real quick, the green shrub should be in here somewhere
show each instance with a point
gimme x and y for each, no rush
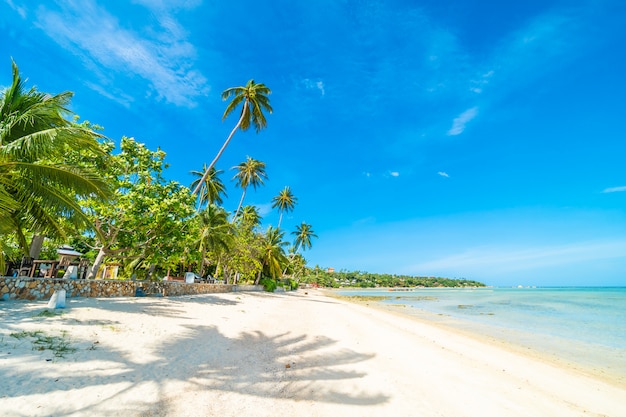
(269, 285)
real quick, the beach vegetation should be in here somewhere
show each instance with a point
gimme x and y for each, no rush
(59, 345)
(64, 182)
(255, 101)
(250, 172)
(212, 189)
(144, 222)
(285, 202)
(269, 284)
(40, 189)
(359, 279)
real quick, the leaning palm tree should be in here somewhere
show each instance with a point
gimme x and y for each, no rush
(212, 190)
(255, 101)
(39, 188)
(250, 172)
(285, 202)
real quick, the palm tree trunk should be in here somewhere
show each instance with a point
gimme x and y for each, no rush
(232, 133)
(280, 219)
(240, 204)
(293, 255)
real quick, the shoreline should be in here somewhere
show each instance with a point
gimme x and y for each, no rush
(556, 355)
(261, 354)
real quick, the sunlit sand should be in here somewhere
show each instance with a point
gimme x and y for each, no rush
(261, 354)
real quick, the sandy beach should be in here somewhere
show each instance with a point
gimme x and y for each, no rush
(261, 354)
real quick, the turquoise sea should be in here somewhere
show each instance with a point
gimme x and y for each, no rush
(584, 327)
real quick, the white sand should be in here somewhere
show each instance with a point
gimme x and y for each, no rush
(259, 354)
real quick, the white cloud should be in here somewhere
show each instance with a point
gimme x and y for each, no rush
(264, 209)
(458, 125)
(314, 85)
(443, 174)
(615, 189)
(394, 173)
(162, 56)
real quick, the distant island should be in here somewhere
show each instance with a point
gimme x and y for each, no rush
(358, 279)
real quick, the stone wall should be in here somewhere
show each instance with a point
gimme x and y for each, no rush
(22, 288)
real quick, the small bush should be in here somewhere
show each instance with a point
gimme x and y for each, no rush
(269, 285)
(290, 284)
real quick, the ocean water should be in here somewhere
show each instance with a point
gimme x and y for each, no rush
(581, 326)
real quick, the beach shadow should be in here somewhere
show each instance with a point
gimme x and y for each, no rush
(287, 365)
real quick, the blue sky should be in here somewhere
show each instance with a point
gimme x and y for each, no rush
(456, 139)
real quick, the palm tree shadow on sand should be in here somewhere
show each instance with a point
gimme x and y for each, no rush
(286, 366)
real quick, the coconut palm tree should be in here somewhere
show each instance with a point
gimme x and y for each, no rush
(216, 232)
(255, 101)
(251, 172)
(249, 217)
(212, 190)
(303, 234)
(273, 254)
(285, 202)
(39, 190)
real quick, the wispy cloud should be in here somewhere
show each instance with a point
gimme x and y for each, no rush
(314, 85)
(459, 123)
(162, 56)
(19, 9)
(615, 189)
(443, 174)
(394, 173)
(507, 260)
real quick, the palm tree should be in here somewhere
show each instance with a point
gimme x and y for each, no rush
(251, 172)
(255, 101)
(212, 190)
(273, 254)
(249, 217)
(285, 202)
(38, 188)
(216, 232)
(303, 234)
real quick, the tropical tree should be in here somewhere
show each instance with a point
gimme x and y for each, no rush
(249, 217)
(147, 218)
(215, 233)
(212, 189)
(251, 172)
(304, 233)
(39, 190)
(285, 202)
(272, 254)
(255, 101)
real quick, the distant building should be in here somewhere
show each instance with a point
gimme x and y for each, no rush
(330, 270)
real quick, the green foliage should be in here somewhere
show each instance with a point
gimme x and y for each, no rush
(59, 345)
(290, 284)
(40, 187)
(359, 279)
(146, 221)
(269, 285)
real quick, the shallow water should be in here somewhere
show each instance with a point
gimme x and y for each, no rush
(583, 326)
